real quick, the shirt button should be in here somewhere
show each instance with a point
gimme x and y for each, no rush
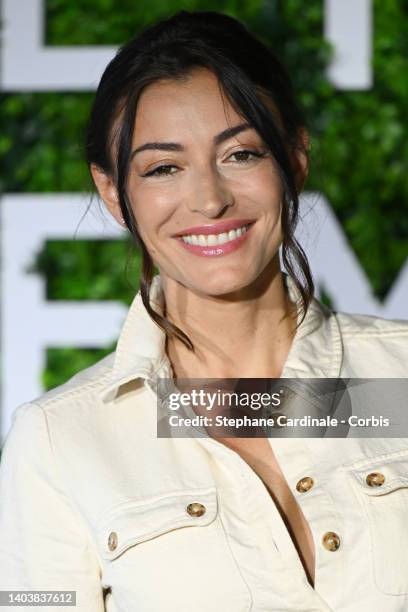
(196, 509)
(113, 540)
(331, 541)
(375, 479)
(305, 484)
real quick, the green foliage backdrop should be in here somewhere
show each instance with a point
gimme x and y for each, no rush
(359, 144)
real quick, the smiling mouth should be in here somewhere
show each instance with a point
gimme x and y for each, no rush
(213, 240)
(215, 245)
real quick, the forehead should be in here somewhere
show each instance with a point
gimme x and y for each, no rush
(194, 104)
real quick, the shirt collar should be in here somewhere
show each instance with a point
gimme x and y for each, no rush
(316, 350)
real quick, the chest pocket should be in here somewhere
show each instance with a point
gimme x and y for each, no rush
(382, 486)
(171, 553)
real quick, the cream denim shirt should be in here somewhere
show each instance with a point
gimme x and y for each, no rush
(93, 502)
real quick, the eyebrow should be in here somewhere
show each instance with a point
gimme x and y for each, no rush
(175, 146)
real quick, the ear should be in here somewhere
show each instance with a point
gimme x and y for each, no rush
(300, 158)
(107, 191)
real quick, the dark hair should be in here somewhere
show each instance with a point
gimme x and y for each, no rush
(249, 75)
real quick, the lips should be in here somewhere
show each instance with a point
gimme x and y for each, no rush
(203, 244)
(214, 228)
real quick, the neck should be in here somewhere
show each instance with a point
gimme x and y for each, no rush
(246, 336)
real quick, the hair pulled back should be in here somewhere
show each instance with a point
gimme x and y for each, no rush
(249, 75)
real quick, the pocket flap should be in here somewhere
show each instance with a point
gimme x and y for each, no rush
(381, 475)
(135, 521)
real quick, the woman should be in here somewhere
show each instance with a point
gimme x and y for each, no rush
(197, 147)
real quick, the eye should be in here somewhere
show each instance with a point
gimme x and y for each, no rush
(165, 170)
(245, 155)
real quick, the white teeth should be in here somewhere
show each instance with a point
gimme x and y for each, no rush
(215, 239)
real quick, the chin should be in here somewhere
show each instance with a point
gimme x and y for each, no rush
(222, 284)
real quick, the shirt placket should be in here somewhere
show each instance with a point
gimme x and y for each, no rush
(310, 482)
(259, 539)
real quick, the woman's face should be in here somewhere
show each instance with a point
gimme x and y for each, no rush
(204, 190)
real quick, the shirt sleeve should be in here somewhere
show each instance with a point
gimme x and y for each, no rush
(44, 544)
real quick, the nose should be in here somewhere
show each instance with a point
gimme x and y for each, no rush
(210, 194)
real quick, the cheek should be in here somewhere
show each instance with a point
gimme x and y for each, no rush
(152, 209)
(271, 183)
(265, 191)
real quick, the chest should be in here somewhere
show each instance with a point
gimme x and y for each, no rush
(238, 556)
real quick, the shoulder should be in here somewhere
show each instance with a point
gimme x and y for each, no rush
(74, 439)
(70, 399)
(374, 346)
(60, 427)
(85, 384)
(358, 325)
